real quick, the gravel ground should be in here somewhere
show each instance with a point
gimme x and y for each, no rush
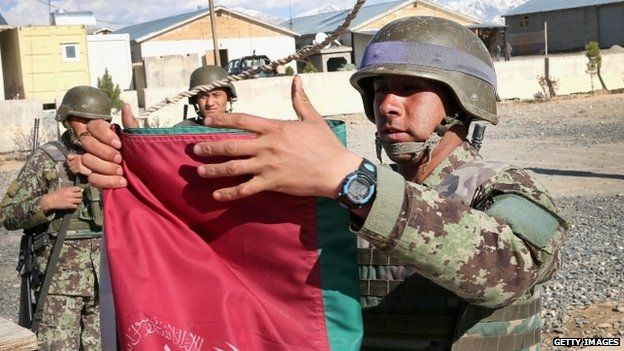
(593, 254)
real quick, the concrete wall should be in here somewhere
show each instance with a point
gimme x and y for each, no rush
(330, 93)
(519, 78)
(170, 71)
(273, 47)
(112, 52)
(16, 119)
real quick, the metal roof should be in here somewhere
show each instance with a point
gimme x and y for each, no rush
(146, 30)
(327, 22)
(535, 6)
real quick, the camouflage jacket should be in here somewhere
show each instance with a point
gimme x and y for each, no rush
(39, 176)
(488, 259)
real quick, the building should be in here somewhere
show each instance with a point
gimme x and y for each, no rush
(3, 26)
(564, 25)
(110, 52)
(365, 25)
(43, 62)
(190, 34)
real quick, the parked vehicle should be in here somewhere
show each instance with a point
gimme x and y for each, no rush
(244, 63)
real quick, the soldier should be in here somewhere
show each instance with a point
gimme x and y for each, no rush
(51, 200)
(204, 104)
(461, 245)
(213, 101)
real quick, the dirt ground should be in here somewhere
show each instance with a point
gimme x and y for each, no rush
(573, 145)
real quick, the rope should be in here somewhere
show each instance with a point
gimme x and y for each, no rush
(250, 73)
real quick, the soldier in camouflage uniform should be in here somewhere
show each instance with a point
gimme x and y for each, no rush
(48, 187)
(460, 245)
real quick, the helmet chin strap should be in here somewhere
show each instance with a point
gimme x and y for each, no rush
(416, 149)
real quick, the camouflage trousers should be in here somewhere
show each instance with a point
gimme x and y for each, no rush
(71, 315)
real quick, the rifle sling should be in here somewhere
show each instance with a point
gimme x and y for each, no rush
(50, 271)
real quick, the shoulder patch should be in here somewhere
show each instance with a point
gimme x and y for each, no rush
(526, 218)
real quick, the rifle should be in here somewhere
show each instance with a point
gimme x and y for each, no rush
(27, 265)
(35, 135)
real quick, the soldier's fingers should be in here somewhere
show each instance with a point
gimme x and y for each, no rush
(99, 165)
(100, 130)
(72, 157)
(107, 182)
(227, 169)
(251, 187)
(127, 117)
(302, 105)
(241, 121)
(233, 147)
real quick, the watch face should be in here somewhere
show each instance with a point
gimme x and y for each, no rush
(358, 191)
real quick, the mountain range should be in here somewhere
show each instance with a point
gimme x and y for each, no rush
(487, 11)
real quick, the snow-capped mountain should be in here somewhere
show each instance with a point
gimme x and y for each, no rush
(259, 15)
(488, 11)
(323, 9)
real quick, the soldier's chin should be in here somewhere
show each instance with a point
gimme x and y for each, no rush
(405, 159)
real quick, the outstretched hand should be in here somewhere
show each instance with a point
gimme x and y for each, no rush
(301, 158)
(102, 147)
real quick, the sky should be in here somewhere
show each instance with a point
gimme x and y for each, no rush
(119, 13)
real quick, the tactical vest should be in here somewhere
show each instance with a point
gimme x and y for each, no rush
(405, 311)
(86, 221)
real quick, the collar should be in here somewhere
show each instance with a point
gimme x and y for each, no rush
(462, 154)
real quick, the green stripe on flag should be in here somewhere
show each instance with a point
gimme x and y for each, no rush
(339, 269)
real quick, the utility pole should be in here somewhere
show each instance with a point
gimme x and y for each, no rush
(546, 38)
(50, 12)
(215, 41)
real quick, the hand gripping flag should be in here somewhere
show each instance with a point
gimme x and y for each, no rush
(268, 272)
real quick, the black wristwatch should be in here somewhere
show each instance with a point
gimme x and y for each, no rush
(358, 189)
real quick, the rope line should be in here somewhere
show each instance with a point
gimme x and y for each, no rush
(250, 73)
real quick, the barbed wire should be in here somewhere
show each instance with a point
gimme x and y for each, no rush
(250, 73)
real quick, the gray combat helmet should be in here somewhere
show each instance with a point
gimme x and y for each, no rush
(432, 48)
(86, 102)
(207, 75)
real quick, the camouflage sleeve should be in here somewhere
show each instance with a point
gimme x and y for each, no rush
(476, 255)
(20, 206)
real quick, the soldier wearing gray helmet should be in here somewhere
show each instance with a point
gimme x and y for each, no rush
(52, 201)
(459, 245)
(210, 102)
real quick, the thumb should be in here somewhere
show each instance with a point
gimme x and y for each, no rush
(127, 118)
(302, 105)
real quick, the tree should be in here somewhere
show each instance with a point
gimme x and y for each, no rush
(310, 68)
(592, 51)
(105, 84)
(290, 71)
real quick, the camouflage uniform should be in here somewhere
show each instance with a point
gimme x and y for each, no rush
(455, 257)
(71, 315)
(457, 260)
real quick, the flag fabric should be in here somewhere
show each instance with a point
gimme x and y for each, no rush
(268, 272)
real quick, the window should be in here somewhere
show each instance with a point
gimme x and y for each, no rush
(524, 22)
(70, 52)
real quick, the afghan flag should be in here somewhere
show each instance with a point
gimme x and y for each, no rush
(268, 272)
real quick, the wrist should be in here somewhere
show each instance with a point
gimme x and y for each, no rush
(340, 170)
